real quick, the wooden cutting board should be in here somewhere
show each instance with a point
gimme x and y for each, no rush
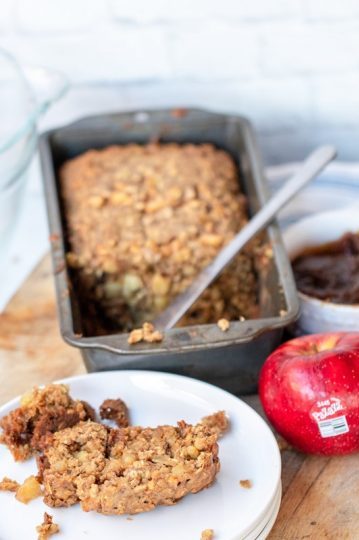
(320, 495)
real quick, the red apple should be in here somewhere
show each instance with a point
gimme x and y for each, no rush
(309, 389)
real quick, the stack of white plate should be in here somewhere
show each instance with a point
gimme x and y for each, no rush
(265, 524)
(247, 452)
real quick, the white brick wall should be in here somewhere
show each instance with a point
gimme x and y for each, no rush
(303, 48)
(62, 17)
(291, 66)
(214, 51)
(331, 9)
(131, 54)
(141, 11)
(337, 96)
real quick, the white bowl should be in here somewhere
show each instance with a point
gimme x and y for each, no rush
(318, 315)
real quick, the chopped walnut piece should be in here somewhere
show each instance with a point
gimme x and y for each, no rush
(150, 334)
(207, 534)
(218, 423)
(213, 240)
(47, 528)
(135, 336)
(223, 324)
(118, 198)
(147, 333)
(96, 201)
(246, 484)
(115, 409)
(29, 490)
(7, 484)
(154, 337)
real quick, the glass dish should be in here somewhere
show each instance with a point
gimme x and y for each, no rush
(25, 94)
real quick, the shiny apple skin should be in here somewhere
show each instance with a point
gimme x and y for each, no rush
(302, 372)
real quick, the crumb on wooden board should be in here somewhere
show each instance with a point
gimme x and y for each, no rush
(283, 445)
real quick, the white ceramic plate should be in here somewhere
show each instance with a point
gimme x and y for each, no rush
(264, 527)
(248, 451)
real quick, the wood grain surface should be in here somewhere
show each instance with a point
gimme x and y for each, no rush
(320, 495)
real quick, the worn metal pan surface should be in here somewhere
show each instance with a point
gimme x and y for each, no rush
(231, 360)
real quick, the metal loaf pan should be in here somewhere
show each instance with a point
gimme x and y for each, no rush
(231, 360)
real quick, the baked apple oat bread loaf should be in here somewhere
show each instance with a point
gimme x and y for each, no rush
(127, 470)
(142, 221)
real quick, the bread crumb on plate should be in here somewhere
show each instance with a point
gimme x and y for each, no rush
(246, 484)
(207, 534)
(47, 528)
(116, 410)
(7, 484)
(30, 489)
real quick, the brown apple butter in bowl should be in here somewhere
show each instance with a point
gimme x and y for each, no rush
(330, 271)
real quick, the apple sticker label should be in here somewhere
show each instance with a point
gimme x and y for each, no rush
(323, 410)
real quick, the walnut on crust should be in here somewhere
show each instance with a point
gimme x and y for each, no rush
(128, 470)
(42, 412)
